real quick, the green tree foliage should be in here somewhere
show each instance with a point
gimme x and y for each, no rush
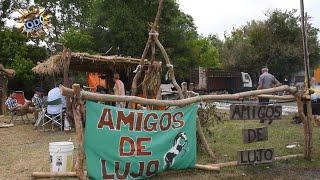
(275, 42)
(78, 41)
(123, 25)
(204, 52)
(67, 15)
(15, 54)
(95, 26)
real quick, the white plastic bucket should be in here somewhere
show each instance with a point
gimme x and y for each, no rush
(61, 156)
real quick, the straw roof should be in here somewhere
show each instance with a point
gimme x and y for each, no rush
(85, 62)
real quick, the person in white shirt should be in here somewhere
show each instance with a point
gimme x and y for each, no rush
(55, 94)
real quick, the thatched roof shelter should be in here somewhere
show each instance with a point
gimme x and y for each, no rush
(66, 61)
(86, 63)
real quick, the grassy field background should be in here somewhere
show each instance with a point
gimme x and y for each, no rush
(24, 150)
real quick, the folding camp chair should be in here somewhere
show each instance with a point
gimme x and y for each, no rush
(19, 96)
(53, 119)
(16, 114)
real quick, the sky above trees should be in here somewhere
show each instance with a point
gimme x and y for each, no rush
(212, 16)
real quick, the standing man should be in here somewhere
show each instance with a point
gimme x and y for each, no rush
(118, 89)
(266, 80)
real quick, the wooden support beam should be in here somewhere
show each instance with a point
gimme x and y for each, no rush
(170, 66)
(275, 97)
(4, 96)
(307, 126)
(53, 174)
(157, 18)
(204, 141)
(207, 167)
(308, 131)
(76, 108)
(137, 76)
(182, 102)
(235, 163)
(66, 59)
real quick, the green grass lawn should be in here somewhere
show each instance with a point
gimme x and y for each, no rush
(227, 140)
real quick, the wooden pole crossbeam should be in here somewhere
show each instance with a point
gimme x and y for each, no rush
(53, 174)
(182, 102)
(275, 97)
(235, 163)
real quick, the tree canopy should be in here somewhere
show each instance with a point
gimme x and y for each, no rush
(96, 26)
(275, 42)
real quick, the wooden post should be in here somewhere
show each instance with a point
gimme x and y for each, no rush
(157, 18)
(139, 72)
(184, 89)
(153, 51)
(76, 108)
(170, 66)
(66, 58)
(305, 47)
(308, 131)
(306, 118)
(4, 95)
(152, 40)
(307, 126)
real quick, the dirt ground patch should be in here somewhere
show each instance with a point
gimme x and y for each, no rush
(24, 150)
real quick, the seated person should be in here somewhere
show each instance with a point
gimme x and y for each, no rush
(55, 94)
(37, 98)
(13, 105)
(38, 101)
